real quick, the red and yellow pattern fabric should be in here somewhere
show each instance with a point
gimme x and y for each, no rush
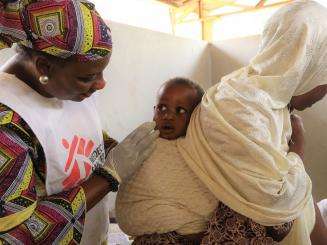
(62, 28)
(52, 219)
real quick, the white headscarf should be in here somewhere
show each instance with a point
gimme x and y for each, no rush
(292, 58)
(237, 140)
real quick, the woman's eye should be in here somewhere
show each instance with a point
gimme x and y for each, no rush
(87, 79)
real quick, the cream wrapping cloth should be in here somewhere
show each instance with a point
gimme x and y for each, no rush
(237, 140)
(163, 196)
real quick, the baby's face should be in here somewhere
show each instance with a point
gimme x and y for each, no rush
(174, 107)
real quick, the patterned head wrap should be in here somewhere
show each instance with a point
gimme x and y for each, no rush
(62, 28)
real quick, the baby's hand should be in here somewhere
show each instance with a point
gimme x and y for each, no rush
(297, 141)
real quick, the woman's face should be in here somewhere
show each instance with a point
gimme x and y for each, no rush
(75, 80)
(303, 101)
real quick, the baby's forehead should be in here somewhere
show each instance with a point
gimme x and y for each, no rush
(183, 91)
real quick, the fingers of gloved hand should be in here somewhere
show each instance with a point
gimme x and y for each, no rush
(147, 141)
(142, 131)
(145, 154)
(128, 171)
(125, 169)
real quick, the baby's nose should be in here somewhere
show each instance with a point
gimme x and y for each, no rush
(168, 114)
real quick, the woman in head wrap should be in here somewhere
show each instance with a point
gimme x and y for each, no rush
(53, 170)
(237, 140)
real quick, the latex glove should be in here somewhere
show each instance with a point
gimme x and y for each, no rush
(128, 156)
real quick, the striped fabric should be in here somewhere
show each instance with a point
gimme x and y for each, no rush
(57, 218)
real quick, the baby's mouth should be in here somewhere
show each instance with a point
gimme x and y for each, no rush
(167, 127)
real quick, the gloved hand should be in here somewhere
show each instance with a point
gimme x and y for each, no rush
(128, 156)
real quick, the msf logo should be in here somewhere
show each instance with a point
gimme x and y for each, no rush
(78, 163)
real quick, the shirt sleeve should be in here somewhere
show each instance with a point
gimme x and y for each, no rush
(25, 218)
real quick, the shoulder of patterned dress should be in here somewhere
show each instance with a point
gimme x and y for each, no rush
(12, 120)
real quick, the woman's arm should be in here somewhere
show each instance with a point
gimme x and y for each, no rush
(319, 233)
(97, 187)
(49, 218)
(56, 212)
(122, 160)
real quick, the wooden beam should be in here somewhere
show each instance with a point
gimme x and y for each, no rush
(206, 25)
(176, 3)
(169, 2)
(260, 4)
(182, 13)
(217, 3)
(207, 28)
(247, 10)
(186, 10)
(202, 18)
(223, 3)
(189, 2)
(172, 20)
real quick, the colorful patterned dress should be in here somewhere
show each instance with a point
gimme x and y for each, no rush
(57, 218)
(225, 227)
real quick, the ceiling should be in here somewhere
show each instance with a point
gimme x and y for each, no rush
(211, 4)
(207, 11)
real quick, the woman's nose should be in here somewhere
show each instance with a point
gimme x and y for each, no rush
(100, 84)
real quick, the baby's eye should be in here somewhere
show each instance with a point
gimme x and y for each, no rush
(181, 110)
(162, 108)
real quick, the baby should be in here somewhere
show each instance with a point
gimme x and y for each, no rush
(165, 195)
(176, 101)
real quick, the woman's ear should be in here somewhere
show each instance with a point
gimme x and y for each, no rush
(43, 65)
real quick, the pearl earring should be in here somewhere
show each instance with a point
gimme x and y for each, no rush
(44, 80)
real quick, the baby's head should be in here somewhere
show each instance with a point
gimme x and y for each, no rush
(176, 100)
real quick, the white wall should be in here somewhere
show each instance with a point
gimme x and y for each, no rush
(230, 55)
(315, 124)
